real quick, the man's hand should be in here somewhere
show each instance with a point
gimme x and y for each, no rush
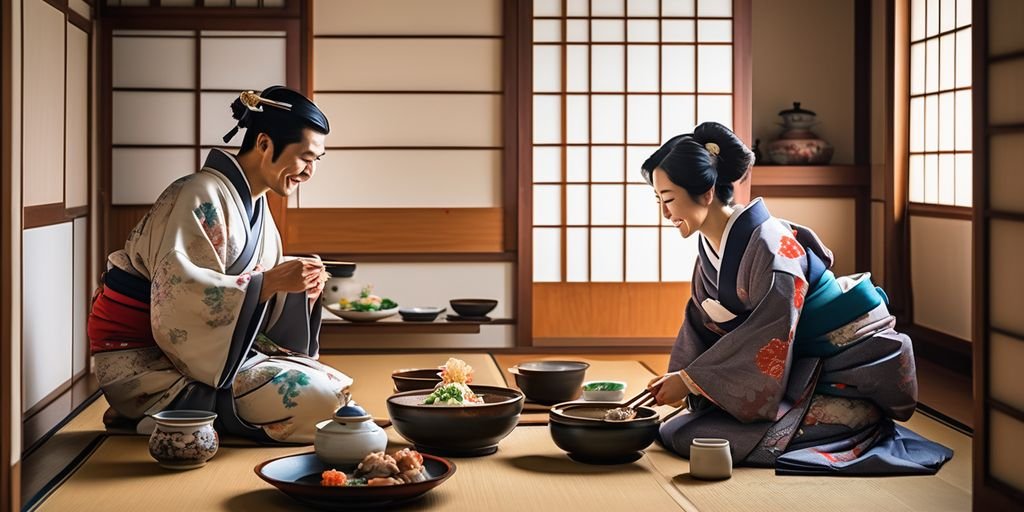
(293, 276)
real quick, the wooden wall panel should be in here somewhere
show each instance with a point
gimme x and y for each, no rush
(1006, 360)
(81, 291)
(121, 221)
(76, 169)
(781, 53)
(359, 17)
(1004, 90)
(414, 179)
(408, 64)
(1006, 246)
(134, 113)
(138, 176)
(154, 62)
(43, 103)
(1005, 451)
(878, 243)
(609, 310)
(242, 62)
(940, 267)
(390, 120)
(1006, 153)
(394, 230)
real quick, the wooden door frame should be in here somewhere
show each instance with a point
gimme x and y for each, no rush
(988, 493)
(10, 390)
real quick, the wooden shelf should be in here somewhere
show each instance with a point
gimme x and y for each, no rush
(811, 176)
(398, 326)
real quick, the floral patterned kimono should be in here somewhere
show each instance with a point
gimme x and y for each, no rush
(798, 369)
(178, 323)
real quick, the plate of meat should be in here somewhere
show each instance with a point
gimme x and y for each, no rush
(380, 480)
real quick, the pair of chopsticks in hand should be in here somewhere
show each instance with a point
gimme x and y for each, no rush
(646, 399)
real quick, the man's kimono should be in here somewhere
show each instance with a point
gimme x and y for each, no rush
(178, 323)
(800, 370)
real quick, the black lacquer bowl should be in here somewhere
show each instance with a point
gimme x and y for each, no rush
(457, 431)
(580, 429)
(416, 378)
(550, 382)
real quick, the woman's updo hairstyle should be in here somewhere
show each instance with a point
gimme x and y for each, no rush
(711, 156)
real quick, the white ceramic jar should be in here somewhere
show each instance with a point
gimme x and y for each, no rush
(342, 284)
(349, 437)
(710, 459)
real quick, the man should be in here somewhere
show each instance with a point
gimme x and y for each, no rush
(200, 310)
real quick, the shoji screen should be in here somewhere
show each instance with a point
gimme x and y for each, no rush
(999, 243)
(57, 141)
(415, 105)
(411, 187)
(940, 164)
(940, 102)
(171, 96)
(612, 80)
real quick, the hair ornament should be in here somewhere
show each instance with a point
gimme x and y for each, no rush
(252, 101)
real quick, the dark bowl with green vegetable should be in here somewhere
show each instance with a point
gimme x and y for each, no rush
(456, 430)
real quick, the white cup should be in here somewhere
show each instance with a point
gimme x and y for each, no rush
(710, 459)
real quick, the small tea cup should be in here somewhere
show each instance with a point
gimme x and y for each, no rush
(710, 459)
(183, 439)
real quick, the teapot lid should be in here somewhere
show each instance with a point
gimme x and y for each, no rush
(796, 110)
(352, 412)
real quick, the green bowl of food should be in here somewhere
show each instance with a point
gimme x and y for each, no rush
(604, 390)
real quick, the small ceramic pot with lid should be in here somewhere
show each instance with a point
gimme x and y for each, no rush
(348, 437)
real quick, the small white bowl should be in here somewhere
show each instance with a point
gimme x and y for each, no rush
(604, 396)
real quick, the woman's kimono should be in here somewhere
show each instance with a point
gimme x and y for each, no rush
(798, 369)
(178, 323)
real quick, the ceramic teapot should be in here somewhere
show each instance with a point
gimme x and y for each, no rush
(348, 437)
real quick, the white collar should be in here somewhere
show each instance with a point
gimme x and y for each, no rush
(715, 256)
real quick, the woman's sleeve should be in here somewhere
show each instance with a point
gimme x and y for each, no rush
(746, 370)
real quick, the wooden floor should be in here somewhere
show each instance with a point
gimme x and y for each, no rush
(949, 490)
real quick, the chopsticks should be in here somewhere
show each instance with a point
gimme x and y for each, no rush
(645, 398)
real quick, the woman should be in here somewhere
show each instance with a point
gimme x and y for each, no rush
(798, 369)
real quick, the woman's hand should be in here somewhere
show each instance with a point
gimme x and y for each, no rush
(293, 276)
(669, 389)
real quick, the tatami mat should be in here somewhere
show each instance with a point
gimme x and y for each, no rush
(527, 472)
(372, 373)
(759, 490)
